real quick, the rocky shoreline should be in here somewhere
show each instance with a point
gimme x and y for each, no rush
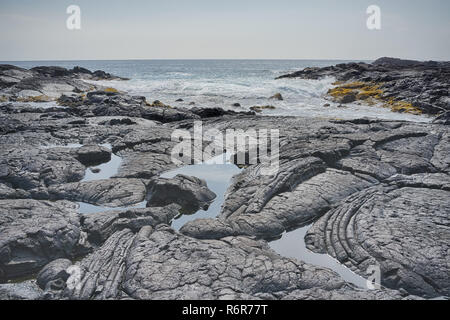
(400, 85)
(44, 84)
(376, 193)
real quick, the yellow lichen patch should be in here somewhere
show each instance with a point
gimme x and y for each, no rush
(402, 106)
(111, 90)
(159, 104)
(339, 92)
(369, 91)
(372, 94)
(3, 99)
(362, 90)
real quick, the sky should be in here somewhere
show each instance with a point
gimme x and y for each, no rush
(225, 29)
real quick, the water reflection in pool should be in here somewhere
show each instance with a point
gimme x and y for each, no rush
(292, 245)
(218, 178)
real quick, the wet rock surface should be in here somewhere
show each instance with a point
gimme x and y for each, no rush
(376, 193)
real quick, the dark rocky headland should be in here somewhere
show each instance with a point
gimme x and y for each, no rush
(401, 85)
(376, 193)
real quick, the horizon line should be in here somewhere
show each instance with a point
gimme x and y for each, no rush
(187, 59)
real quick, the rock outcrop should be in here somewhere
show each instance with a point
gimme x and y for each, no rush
(191, 193)
(402, 85)
(43, 84)
(33, 233)
(378, 191)
(54, 272)
(404, 231)
(162, 264)
(27, 290)
(110, 193)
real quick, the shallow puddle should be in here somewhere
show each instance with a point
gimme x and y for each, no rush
(218, 178)
(292, 245)
(107, 170)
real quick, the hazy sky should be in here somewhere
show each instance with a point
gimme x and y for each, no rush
(226, 29)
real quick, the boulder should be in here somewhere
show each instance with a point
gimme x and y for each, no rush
(349, 98)
(92, 155)
(277, 96)
(55, 270)
(191, 193)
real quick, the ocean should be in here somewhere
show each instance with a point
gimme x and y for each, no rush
(222, 83)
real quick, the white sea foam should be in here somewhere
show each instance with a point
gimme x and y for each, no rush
(249, 83)
(301, 97)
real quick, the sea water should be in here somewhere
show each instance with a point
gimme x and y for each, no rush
(222, 83)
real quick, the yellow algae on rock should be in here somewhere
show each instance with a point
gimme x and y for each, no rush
(371, 94)
(402, 106)
(339, 92)
(159, 104)
(353, 85)
(111, 90)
